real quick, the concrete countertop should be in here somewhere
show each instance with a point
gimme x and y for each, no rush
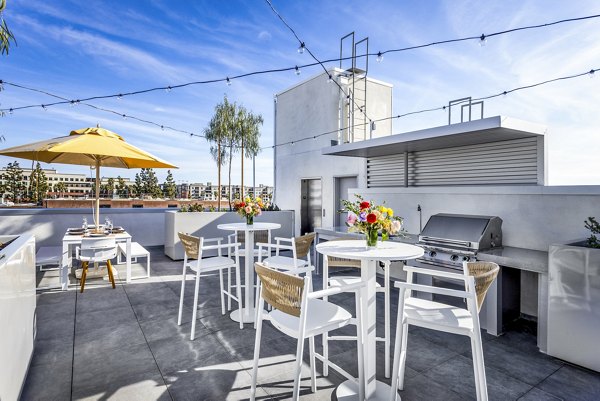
(518, 258)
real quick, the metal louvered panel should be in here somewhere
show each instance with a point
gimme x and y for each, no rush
(495, 163)
(386, 171)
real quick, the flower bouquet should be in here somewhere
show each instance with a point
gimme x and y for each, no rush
(370, 219)
(249, 208)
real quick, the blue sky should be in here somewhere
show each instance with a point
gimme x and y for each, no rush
(77, 49)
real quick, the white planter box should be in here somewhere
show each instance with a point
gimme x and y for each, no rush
(204, 224)
(574, 304)
(17, 313)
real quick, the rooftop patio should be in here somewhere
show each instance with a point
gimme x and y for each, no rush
(124, 344)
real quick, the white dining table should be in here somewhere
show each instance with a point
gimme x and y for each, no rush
(247, 313)
(369, 256)
(69, 241)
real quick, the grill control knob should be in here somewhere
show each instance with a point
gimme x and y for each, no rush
(454, 258)
(466, 258)
(432, 254)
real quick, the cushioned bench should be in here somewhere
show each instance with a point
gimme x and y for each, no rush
(137, 251)
(48, 255)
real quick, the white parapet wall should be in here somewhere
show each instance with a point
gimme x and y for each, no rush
(49, 225)
(204, 224)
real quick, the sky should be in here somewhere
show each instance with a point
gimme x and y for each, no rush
(79, 49)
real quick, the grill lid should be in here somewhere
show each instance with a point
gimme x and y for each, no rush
(466, 230)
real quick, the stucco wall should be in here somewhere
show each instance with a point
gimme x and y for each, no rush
(533, 216)
(306, 110)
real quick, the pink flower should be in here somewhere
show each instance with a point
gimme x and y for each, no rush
(351, 219)
(248, 209)
(396, 226)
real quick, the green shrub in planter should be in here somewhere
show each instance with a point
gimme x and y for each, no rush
(592, 225)
(192, 207)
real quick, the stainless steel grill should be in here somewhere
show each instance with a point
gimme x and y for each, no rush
(450, 239)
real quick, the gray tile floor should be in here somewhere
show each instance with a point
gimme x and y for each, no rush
(124, 344)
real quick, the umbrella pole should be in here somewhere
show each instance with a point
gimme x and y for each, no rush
(97, 211)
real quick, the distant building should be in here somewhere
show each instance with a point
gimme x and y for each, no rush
(209, 191)
(77, 184)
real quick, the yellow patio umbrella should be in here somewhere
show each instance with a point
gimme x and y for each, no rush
(89, 147)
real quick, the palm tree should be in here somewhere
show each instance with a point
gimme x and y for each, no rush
(249, 135)
(217, 133)
(6, 35)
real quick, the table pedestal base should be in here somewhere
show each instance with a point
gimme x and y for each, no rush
(246, 317)
(348, 391)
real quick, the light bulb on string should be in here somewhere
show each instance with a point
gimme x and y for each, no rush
(162, 127)
(124, 116)
(228, 81)
(329, 79)
(482, 40)
(297, 70)
(119, 96)
(10, 111)
(44, 107)
(592, 73)
(504, 93)
(379, 57)
(301, 48)
(168, 89)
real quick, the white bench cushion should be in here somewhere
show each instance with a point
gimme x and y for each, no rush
(48, 255)
(136, 249)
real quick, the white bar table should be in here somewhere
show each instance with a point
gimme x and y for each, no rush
(248, 311)
(70, 241)
(358, 250)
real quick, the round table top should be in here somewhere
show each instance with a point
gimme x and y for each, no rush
(246, 227)
(357, 249)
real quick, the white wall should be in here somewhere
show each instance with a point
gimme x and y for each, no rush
(533, 216)
(305, 110)
(49, 225)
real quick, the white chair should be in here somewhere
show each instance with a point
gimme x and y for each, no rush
(96, 250)
(300, 314)
(337, 281)
(260, 236)
(137, 251)
(194, 246)
(299, 246)
(477, 278)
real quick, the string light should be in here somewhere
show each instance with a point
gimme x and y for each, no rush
(591, 73)
(444, 108)
(297, 70)
(283, 21)
(275, 70)
(228, 82)
(329, 79)
(44, 107)
(482, 40)
(10, 111)
(120, 96)
(379, 57)
(120, 114)
(301, 48)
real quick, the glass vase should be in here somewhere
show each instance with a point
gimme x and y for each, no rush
(385, 236)
(371, 237)
(249, 220)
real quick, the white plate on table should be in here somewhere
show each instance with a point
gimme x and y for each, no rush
(98, 235)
